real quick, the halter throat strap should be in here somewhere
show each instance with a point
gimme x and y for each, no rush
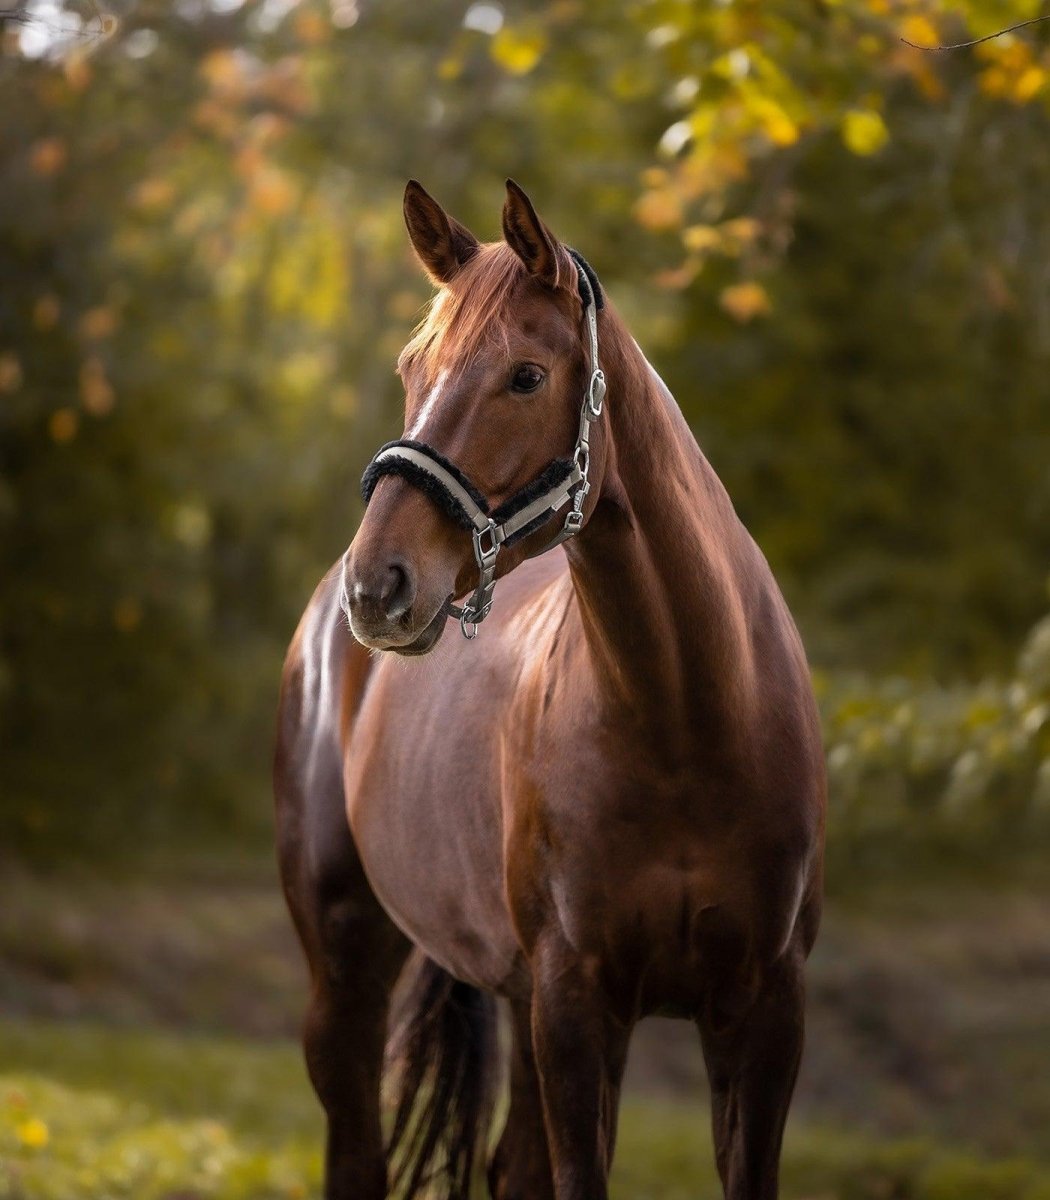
(452, 491)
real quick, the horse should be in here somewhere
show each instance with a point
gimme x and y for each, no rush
(606, 803)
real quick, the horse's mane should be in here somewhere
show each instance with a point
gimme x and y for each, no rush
(469, 313)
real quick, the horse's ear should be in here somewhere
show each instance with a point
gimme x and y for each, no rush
(528, 237)
(440, 242)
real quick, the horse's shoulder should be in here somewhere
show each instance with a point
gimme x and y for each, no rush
(325, 670)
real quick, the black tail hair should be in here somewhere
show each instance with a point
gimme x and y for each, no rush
(443, 1052)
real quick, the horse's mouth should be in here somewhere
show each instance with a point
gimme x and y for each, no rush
(382, 642)
(428, 639)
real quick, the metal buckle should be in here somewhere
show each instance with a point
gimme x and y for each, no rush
(574, 521)
(483, 555)
(596, 393)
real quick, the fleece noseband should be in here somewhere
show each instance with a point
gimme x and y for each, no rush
(564, 480)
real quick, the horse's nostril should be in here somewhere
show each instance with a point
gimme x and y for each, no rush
(384, 594)
(399, 593)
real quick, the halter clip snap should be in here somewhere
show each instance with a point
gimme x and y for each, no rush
(596, 393)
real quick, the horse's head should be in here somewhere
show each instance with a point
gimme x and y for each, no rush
(494, 379)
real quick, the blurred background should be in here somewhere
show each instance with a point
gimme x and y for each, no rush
(834, 246)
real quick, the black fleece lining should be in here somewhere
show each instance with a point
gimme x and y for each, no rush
(422, 479)
(419, 478)
(551, 475)
(592, 278)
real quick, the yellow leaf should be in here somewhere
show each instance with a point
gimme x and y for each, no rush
(774, 121)
(97, 323)
(920, 30)
(701, 237)
(46, 312)
(864, 132)
(273, 192)
(742, 230)
(32, 1133)
(10, 372)
(223, 70)
(1029, 83)
(450, 68)
(658, 209)
(993, 81)
(745, 301)
(1011, 53)
(96, 392)
(48, 156)
(153, 193)
(518, 50)
(77, 70)
(310, 27)
(63, 425)
(676, 278)
(926, 78)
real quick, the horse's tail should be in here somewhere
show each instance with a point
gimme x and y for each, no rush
(443, 1052)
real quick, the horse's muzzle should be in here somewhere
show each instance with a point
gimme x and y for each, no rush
(378, 602)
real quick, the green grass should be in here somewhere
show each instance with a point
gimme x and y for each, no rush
(88, 1113)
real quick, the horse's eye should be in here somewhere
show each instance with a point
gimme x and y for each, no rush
(526, 378)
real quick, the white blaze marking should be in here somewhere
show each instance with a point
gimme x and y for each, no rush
(428, 406)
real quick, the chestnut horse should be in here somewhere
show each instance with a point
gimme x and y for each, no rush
(610, 804)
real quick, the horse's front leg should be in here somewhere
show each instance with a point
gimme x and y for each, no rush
(355, 954)
(752, 1063)
(580, 1048)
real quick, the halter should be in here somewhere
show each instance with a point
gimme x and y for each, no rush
(564, 480)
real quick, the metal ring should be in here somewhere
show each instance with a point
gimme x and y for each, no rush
(482, 555)
(596, 393)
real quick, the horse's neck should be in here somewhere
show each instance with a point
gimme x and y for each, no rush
(665, 574)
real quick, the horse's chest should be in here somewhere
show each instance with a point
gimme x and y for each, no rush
(651, 877)
(433, 856)
(661, 922)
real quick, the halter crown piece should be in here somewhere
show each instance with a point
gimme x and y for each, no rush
(562, 481)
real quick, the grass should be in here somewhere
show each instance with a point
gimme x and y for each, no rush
(90, 1113)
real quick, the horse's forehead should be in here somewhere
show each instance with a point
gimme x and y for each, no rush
(463, 339)
(535, 313)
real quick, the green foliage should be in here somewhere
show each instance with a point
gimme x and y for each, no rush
(831, 244)
(964, 769)
(90, 1112)
(94, 1144)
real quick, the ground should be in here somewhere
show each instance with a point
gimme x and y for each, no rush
(147, 1048)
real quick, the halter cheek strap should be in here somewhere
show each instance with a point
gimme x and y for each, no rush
(562, 481)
